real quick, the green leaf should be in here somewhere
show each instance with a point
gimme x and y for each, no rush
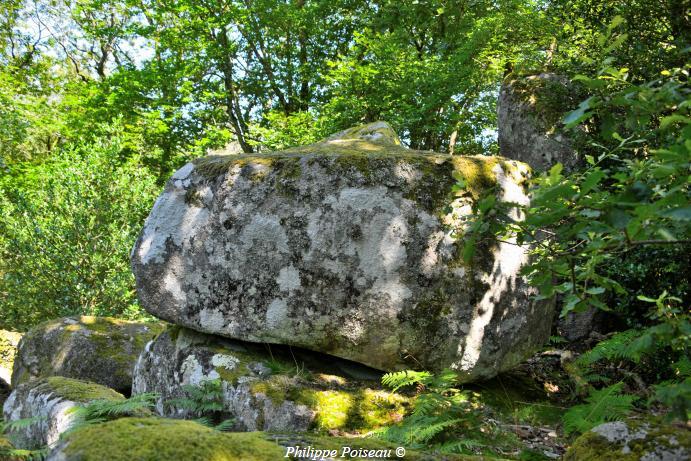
(618, 218)
(583, 112)
(468, 250)
(665, 234)
(679, 214)
(665, 122)
(590, 181)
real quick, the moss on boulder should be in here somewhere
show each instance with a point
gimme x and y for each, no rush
(529, 114)
(154, 439)
(99, 349)
(647, 439)
(9, 340)
(50, 401)
(266, 389)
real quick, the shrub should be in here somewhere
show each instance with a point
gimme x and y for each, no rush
(67, 229)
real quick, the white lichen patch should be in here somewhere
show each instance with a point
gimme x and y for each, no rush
(193, 372)
(226, 361)
(276, 313)
(288, 279)
(171, 218)
(211, 319)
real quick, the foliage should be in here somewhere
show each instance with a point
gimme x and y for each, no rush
(99, 411)
(68, 226)
(632, 193)
(443, 417)
(657, 354)
(602, 405)
(205, 402)
(431, 69)
(280, 131)
(11, 453)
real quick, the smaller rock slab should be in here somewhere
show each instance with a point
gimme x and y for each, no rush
(99, 349)
(529, 120)
(50, 401)
(275, 389)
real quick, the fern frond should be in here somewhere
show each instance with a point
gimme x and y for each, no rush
(429, 404)
(607, 404)
(20, 424)
(428, 432)
(616, 347)
(446, 380)
(204, 421)
(398, 379)
(225, 426)
(23, 455)
(460, 446)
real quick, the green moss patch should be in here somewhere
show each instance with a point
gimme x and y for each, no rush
(153, 439)
(341, 407)
(518, 400)
(80, 391)
(8, 348)
(374, 162)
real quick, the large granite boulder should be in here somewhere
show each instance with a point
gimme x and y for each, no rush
(50, 402)
(529, 121)
(351, 247)
(9, 341)
(633, 440)
(265, 388)
(99, 349)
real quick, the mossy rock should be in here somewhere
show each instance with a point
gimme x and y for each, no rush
(51, 402)
(274, 388)
(99, 349)
(154, 439)
(351, 247)
(9, 340)
(6, 449)
(530, 110)
(648, 439)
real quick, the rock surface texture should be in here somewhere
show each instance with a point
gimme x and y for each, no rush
(265, 389)
(632, 440)
(9, 340)
(351, 247)
(51, 402)
(98, 349)
(529, 114)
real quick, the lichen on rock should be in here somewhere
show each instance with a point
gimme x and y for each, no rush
(274, 389)
(50, 401)
(647, 439)
(99, 349)
(349, 247)
(9, 340)
(529, 119)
